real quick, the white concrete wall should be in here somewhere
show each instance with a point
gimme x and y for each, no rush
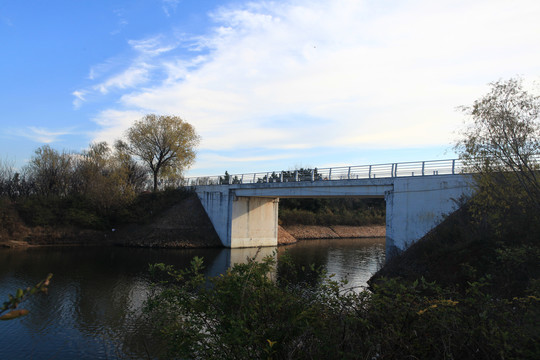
(218, 205)
(335, 188)
(418, 204)
(241, 221)
(254, 222)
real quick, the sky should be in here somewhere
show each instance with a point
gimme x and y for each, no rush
(268, 85)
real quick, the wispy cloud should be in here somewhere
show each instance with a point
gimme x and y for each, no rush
(79, 98)
(113, 123)
(122, 21)
(43, 135)
(6, 21)
(372, 74)
(139, 69)
(133, 76)
(151, 46)
(169, 6)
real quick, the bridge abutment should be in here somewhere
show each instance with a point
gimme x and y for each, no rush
(418, 204)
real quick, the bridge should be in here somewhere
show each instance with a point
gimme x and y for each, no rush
(244, 207)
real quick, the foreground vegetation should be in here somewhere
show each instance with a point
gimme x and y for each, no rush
(256, 312)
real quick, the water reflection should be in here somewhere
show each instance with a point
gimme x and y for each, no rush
(354, 259)
(93, 306)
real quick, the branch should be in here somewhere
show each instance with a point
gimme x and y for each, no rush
(19, 297)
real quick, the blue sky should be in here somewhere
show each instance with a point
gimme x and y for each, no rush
(269, 85)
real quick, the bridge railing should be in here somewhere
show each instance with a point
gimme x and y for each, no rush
(390, 170)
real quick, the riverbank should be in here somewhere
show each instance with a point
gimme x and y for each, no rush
(182, 225)
(307, 232)
(166, 235)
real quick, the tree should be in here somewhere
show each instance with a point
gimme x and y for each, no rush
(501, 146)
(51, 171)
(103, 178)
(136, 175)
(229, 179)
(166, 144)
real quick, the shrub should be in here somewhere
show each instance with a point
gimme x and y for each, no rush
(251, 313)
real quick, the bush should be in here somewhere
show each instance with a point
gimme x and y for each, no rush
(149, 204)
(328, 217)
(85, 219)
(38, 211)
(250, 313)
(79, 211)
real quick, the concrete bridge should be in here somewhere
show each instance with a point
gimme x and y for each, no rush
(244, 208)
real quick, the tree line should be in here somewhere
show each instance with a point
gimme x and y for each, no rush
(104, 184)
(159, 146)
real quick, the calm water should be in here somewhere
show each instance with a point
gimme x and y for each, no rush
(96, 293)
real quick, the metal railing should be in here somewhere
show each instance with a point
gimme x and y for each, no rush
(391, 170)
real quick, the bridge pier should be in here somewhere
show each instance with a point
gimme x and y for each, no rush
(241, 221)
(254, 222)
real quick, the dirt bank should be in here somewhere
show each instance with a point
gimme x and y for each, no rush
(184, 225)
(304, 232)
(284, 237)
(14, 233)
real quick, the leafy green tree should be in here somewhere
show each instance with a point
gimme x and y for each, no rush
(12, 183)
(229, 179)
(166, 144)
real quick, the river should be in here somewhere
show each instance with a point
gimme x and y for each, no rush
(91, 309)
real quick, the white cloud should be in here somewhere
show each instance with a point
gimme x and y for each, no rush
(151, 46)
(42, 135)
(122, 22)
(114, 123)
(79, 98)
(140, 69)
(133, 76)
(372, 74)
(169, 6)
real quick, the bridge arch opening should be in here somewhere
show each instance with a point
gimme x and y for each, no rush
(334, 213)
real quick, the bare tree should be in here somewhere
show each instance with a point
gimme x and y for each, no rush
(501, 144)
(51, 171)
(136, 174)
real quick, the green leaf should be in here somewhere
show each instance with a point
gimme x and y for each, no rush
(19, 293)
